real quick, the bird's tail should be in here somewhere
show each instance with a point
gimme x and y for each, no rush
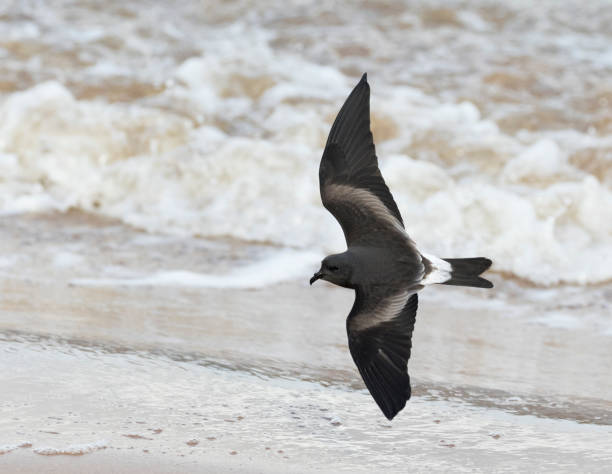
(466, 271)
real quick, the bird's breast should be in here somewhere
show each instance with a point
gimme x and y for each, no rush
(386, 266)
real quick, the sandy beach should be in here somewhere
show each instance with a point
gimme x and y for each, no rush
(127, 378)
(160, 218)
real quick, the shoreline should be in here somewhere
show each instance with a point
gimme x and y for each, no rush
(240, 369)
(128, 412)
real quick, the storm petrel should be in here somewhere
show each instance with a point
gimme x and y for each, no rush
(382, 263)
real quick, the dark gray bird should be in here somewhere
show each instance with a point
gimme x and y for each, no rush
(382, 263)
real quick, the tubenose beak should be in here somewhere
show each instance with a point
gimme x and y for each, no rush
(316, 277)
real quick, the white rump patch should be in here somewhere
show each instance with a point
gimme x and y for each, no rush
(440, 270)
(386, 310)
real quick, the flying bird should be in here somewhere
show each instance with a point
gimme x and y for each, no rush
(382, 263)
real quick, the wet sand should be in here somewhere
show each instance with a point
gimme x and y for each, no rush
(207, 379)
(135, 462)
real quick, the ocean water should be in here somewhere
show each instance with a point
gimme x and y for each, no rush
(493, 123)
(160, 212)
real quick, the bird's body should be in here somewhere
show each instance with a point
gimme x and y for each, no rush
(382, 264)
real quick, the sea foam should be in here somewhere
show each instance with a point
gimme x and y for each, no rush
(231, 147)
(282, 266)
(7, 448)
(72, 449)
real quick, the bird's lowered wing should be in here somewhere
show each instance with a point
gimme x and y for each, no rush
(352, 187)
(380, 340)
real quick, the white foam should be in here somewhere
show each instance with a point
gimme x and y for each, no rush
(542, 160)
(7, 448)
(66, 259)
(232, 146)
(558, 321)
(8, 260)
(284, 265)
(73, 449)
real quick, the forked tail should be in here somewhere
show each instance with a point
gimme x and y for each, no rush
(466, 271)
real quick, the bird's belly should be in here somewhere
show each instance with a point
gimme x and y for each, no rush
(391, 267)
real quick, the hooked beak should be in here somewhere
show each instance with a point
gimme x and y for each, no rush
(316, 277)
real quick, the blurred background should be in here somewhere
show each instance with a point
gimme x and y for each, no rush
(160, 212)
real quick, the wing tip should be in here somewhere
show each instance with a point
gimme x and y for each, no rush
(389, 399)
(390, 414)
(364, 78)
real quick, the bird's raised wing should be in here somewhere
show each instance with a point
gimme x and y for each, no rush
(352, 187)
(380, 339)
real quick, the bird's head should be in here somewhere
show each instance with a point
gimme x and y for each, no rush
(335, 269)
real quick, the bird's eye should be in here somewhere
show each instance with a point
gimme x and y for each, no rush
(333, 268)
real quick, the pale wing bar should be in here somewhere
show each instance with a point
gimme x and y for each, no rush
(349, 159)
(380, 341)
(362, 215)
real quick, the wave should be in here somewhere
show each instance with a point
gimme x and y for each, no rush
(282, 266)
(230, 147)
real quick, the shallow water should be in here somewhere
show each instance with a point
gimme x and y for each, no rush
(184, 410)
(160, 218)
(109, 356)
